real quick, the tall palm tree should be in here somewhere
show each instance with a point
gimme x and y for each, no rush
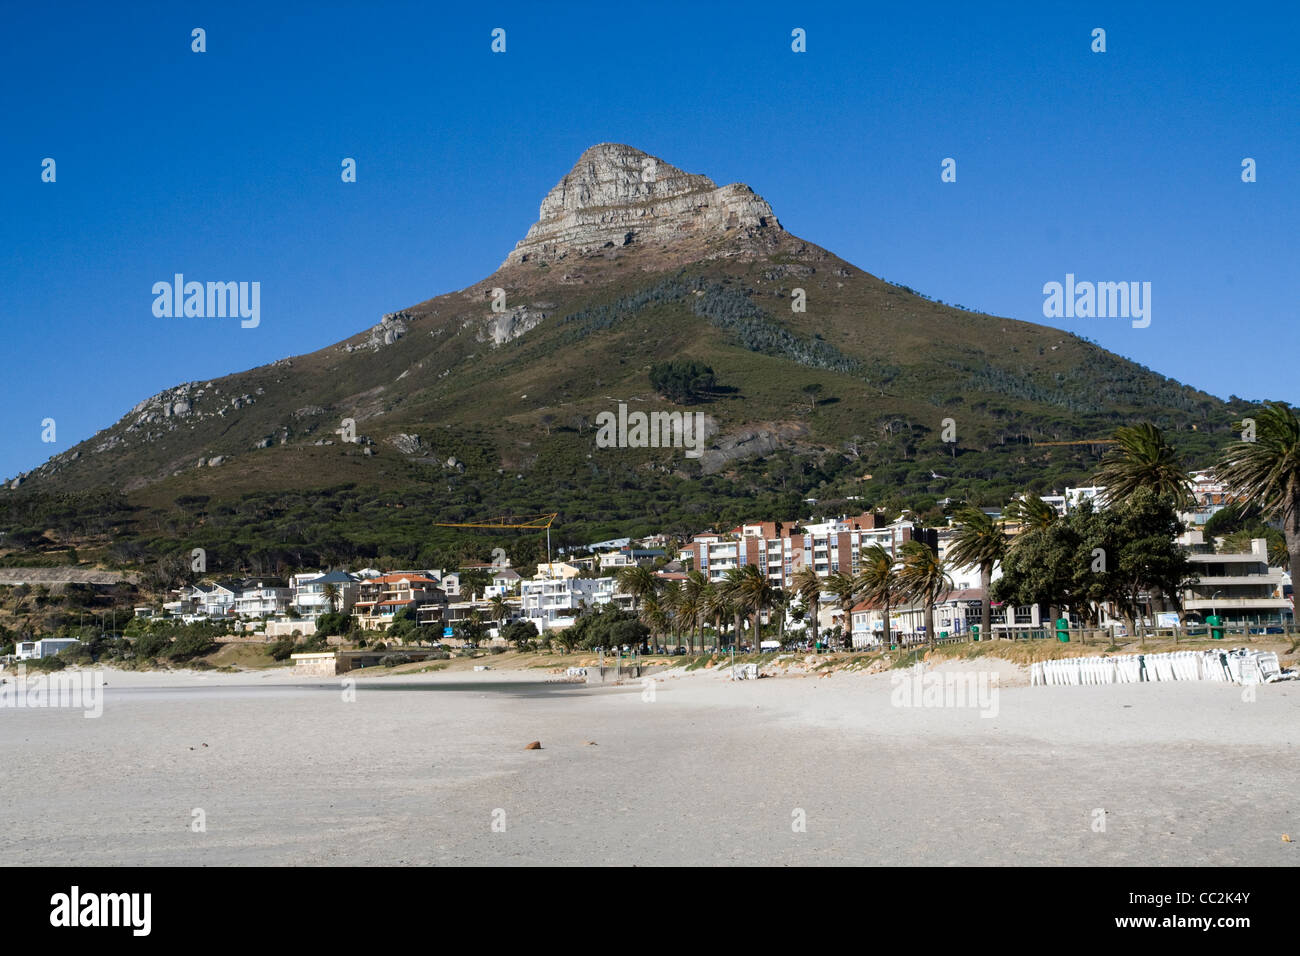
(654, 615)
(1266, 473)
(670, 596)
(500, 610)
(718, 607)
(808, 586)
(332, 595)
(780, 608)
(752, 593)
(980, 542)
(877, 581)
(924, 579)
(638, 581)
(692, 606)
(1141, 458)
(845, 590)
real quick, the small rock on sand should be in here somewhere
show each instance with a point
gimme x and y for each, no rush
(535, 745)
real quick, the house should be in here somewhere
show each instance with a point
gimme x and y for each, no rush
(262, 599)
(48, 647)
(558, 569)
(504, 581)
(380, 599)
(211, 601)
(309, 598)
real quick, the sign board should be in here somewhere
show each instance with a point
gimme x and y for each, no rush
(447, 632)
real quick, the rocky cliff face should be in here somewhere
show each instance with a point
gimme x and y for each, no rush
(618, 196)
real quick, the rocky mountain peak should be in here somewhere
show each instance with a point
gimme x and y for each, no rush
(617, 195)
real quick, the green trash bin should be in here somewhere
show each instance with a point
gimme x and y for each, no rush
(975, 631)
(1216, 627)
(1063, 630)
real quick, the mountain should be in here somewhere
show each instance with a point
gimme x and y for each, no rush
(485, 401)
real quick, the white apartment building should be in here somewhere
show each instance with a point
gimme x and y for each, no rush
(553, 603)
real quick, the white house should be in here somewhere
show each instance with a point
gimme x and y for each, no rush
(48, 647)
(309, 598)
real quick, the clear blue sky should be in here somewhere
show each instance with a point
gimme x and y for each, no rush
(225, 165)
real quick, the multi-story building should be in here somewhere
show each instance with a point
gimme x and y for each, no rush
(1240, 587)
(258, 599)
(554, 603)
(309, 592)
(782, 549)
(380, 599)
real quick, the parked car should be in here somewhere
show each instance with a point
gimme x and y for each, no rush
(679, 651)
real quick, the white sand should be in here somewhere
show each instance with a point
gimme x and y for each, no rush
(709, 772)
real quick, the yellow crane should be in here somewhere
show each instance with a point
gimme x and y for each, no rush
(533, 522)
(1084, 441)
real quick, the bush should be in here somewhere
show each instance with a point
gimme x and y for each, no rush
(497, 650)
(150, 644)
(191, 644)
(55, 663)
(392, 660)
(333, 625)
(281, 649)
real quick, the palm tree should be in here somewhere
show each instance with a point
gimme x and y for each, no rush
(1266, 473)
(780, 608)
(808, 586)
(638, 581)
(500, 610)
(878, 581)
(1031, 512)
(753, 594)
(925, 579)
(1141, 458)
(654, 615)
(332, 595)
(717, 608)
(845, 589)
(670, 596)
(980, 541)
(692, 605)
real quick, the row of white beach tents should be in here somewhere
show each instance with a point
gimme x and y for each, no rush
(1237, 666)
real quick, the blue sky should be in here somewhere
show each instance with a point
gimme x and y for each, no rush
(1115, 166)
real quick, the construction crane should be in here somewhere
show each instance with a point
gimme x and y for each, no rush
(531, 522)
(1085, 441)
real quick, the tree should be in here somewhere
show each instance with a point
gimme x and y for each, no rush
(332, 594)
(878, 582)
(812, 390)
(845, 590)
(638, 581)
(980, 542)
(923, 578)
(499, 609)
(752, 593)
(1030, 512)
(682, 382)
(1266, 472)
(1141, 458)
(520, 633)
(691, 606)
(808, 586)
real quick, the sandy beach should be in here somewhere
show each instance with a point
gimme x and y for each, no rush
(800, 769)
